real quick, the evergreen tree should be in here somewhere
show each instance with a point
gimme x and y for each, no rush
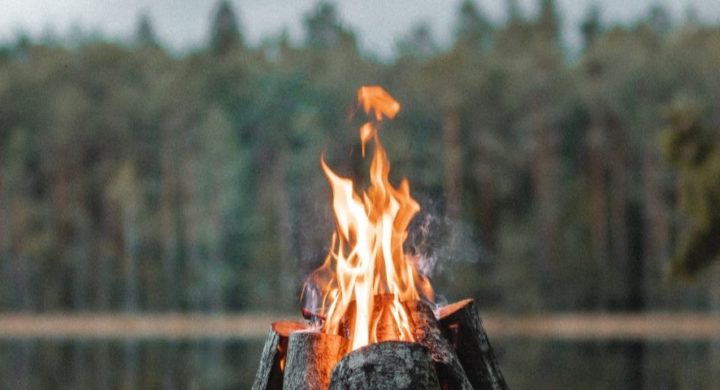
(513, 12)
(419, 44)
(473, 28)
(659, 20)
(145, 32)
(548, 21)
(225, 30)
(323, 28)
(591, 26)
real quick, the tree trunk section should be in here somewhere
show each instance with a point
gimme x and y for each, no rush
(462, 325)
(272, 363)
(453, 162)
(427, 333)
(597, 197)
(619, 233)
(311, 357)
(390, 365)
(545, 182)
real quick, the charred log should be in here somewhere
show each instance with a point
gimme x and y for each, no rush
(391, 365)
(270, 373)
(461, 325)
(311, 356)
(428, 333)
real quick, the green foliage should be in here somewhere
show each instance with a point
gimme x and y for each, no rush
(694, 153)
(136, 179)
(225, 31)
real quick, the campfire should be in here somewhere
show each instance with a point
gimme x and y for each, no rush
(369, 310)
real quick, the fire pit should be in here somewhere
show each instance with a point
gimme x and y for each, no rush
(371, 323)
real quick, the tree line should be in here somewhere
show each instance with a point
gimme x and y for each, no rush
(133, 178)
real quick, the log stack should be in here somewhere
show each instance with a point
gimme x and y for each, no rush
(451, 351)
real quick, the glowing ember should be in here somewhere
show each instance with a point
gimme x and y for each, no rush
(367, 276)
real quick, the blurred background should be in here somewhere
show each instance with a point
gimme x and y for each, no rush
(162, 158)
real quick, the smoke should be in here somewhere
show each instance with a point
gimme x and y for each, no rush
(437, 242)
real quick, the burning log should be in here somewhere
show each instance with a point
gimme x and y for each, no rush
(428, 333)
(311, 356)
(391, 365)
(462, 325)
(272, 363)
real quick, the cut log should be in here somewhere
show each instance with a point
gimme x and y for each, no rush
(428, 333)
(462, 326)
(311, 356)
(389, 365)
(270, 373)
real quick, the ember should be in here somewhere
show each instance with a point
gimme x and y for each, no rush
(369, 308)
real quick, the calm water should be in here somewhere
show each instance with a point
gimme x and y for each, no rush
(223, 364)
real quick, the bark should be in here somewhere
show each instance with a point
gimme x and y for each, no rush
(171, 219)
(427, 333)
(619, 232)
(656, 243)
(485, 193)
(545, 187)
(391, 365)
(270, 373)
(287, 279)
(597, 198)
(453, 162)
(311, 356)
(462, 325)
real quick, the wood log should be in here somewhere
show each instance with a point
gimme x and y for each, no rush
(311, 356)
(462, 326)
(270, 373)
(428, 333)
(389, 365)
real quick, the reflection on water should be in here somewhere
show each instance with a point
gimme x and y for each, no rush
(230, 364)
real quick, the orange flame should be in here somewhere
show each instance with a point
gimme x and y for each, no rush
(366, 258)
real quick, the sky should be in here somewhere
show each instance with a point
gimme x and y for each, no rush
(184, 24)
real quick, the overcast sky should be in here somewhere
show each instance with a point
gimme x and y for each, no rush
(183, 24)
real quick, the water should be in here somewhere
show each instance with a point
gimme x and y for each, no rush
(231, 364)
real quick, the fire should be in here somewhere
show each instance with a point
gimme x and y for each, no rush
(367, 276)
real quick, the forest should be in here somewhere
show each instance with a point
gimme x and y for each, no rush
(135, 178)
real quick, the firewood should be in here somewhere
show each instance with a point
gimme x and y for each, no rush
(389, 365)
(270, 373)
(462, 325)
(311, 356)
(428, 333)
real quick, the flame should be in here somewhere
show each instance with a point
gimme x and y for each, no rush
(367, 276)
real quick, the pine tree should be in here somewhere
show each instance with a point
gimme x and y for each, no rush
(591, 26)
(323, 28)
(225, 31)
(145, 32)
(659, 20)
(548, 21)
(419, 43)
(474, 29)
(514, 14)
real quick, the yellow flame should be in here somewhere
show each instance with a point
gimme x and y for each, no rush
(366, 258)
